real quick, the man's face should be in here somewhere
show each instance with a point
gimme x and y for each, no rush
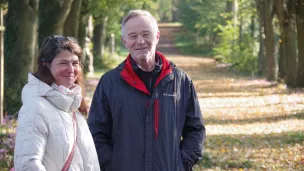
(141, 37)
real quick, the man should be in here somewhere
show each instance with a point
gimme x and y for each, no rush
(145, 115)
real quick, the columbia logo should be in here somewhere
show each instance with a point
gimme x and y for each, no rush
(171, 95)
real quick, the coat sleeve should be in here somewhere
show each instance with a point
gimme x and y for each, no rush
(31, 136)
(193, 132)
(100, 122)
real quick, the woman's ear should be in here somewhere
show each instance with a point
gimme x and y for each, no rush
(46, 64)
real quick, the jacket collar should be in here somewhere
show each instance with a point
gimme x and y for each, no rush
(129, 75)
(157, 68)
(35, 87)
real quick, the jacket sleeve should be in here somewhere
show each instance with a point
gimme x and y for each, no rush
(100, 122)
(193, 132)
(31, 136)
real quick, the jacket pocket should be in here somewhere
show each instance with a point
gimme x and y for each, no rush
(180, 161)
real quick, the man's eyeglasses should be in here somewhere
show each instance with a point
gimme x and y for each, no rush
(60, 39)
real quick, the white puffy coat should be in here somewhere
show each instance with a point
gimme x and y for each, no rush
(45, 135)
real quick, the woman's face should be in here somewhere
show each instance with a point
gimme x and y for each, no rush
(64, 68)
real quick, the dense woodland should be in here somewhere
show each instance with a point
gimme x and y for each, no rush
(258, 37)
(245, 58)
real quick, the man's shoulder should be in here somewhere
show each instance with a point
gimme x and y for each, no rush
(180, 73)
(177, 70)
(112, 73)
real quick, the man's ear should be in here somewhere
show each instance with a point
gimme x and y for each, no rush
(157, 36)
(123, 40)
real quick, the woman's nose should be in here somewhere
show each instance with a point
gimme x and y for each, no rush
(70, 67)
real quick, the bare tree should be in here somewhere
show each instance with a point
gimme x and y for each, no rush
(99, 36)
(261, 60)
(71, 24)
(52, 17)
(290, 38)
(19, 49)
(280, 13)
(300, 28)
(270, 45)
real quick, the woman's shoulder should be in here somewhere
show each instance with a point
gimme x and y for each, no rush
(37, 105)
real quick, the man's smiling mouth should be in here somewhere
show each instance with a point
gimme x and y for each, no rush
(143, 48)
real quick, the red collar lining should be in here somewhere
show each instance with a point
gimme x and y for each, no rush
(129, 75)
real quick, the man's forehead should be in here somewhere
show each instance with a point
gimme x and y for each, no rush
(141, 31)
(140, 24)
(140, 20)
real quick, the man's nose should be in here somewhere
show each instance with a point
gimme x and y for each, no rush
(140, 40)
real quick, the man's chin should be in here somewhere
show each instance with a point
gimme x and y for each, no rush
(143, 56)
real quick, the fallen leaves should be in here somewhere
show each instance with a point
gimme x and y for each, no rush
(251, 124)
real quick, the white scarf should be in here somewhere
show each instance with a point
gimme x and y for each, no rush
(75, 90)
(74, 93)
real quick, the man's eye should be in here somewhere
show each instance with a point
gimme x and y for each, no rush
(146, 35)
(132, 37)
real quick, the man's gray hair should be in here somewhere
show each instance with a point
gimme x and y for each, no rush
(137, 13)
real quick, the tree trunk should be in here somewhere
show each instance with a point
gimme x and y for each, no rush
(99, 36)
(291, 47)
(19, 49)
(261, 12)
(1, 67)
(300, 28)
(270, 45)
(52, 16)
(252, 27)
(241, 31)
(235, 12)
(83, 22)
(229, 6)
(71, 24)
(279, 10)
(232, 9)
(240, 25)
(97, 45)
(175, 11)
(82, 33)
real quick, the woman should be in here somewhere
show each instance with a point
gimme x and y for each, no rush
(52, 132)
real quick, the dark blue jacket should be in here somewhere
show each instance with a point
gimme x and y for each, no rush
(134, 130)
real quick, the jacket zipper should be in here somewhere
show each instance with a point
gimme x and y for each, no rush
(156, 117)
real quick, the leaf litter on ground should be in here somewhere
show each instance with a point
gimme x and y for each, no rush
(251, 123)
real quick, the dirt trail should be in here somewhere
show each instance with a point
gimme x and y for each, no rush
(249, 121)
(226, 95)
